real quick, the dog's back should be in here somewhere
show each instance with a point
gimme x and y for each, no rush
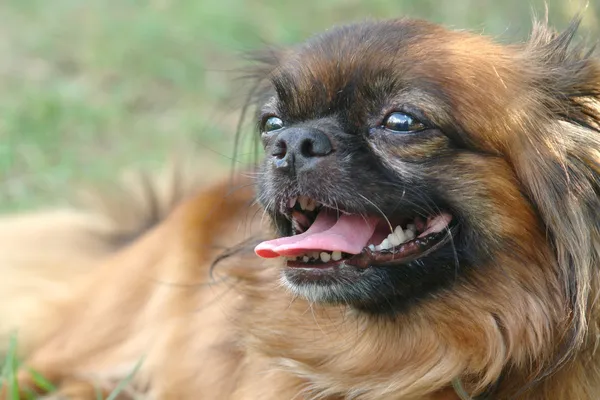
(93, 292)
(40, 255)
(44, 253)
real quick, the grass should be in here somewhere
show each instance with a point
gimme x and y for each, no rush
(88, 88)
(10, 368)
(8, 379)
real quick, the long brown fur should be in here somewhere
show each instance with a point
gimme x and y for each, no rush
(94, 301)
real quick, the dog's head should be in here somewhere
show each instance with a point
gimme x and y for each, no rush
(410, 170)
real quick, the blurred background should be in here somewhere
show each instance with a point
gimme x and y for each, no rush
(90, 87)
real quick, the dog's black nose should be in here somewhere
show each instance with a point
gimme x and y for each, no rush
(298, 149)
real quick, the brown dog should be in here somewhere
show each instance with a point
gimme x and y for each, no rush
(436, 200)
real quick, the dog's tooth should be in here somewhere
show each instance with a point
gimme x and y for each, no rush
(377, 248)
(372, 247)
(397, 237)
(394, 239)
(336, 255)
(325, 256)
(311, 205)
(385, 244)
(411, 227)
(409, 235)
(292, 202)
(315, 255)
(305, 259)
(303, 200)
(401, 235)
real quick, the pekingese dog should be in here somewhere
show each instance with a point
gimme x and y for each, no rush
(435, 203)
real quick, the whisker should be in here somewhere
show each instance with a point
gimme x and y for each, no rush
(378, 209)
(427, 208)
(265, 212)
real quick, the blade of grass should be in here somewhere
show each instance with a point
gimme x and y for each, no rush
(3, 374)
(5, 366)
(98, 392)
(123, 384)
(41, 382)
(30, 395)
(10, 369)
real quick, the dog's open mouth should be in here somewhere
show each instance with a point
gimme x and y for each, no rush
(324, 237)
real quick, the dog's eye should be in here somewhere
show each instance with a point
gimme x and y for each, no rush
(402, 123)
(272, 124)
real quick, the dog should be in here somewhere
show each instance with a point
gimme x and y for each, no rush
(424, 224)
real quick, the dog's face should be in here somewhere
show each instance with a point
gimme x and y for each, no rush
(399, 159)
(446, 181)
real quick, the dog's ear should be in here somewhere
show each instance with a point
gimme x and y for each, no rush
(255, 80)
(557, 158)
(261, 64)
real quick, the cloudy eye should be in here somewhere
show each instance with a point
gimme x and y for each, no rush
(272, 124)
(402, 123)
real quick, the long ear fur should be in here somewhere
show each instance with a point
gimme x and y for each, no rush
(558, 161)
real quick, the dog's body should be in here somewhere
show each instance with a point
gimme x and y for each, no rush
(492, 290)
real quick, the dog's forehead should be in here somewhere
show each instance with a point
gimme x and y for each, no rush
(350, 66)
(360, 68)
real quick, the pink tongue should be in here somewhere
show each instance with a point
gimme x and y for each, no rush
(348, 234)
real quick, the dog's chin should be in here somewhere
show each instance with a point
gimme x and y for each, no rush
(377, 289)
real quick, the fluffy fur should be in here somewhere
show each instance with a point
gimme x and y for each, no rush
(513, 150)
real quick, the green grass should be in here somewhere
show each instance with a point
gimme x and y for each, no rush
(11, 365)
(90, 87)
(8, 378)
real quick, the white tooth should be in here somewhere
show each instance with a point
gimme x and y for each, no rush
(315, 255)
(372, 247)
(411, 227)
(305, 259)
(311, 205)
(398, 236)
(394, 239)
(303, 200)
(336, 255)
(377, 248)
(292, 202)
(325, 256)
(402, 235)
(409, 235)
(385, 244)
